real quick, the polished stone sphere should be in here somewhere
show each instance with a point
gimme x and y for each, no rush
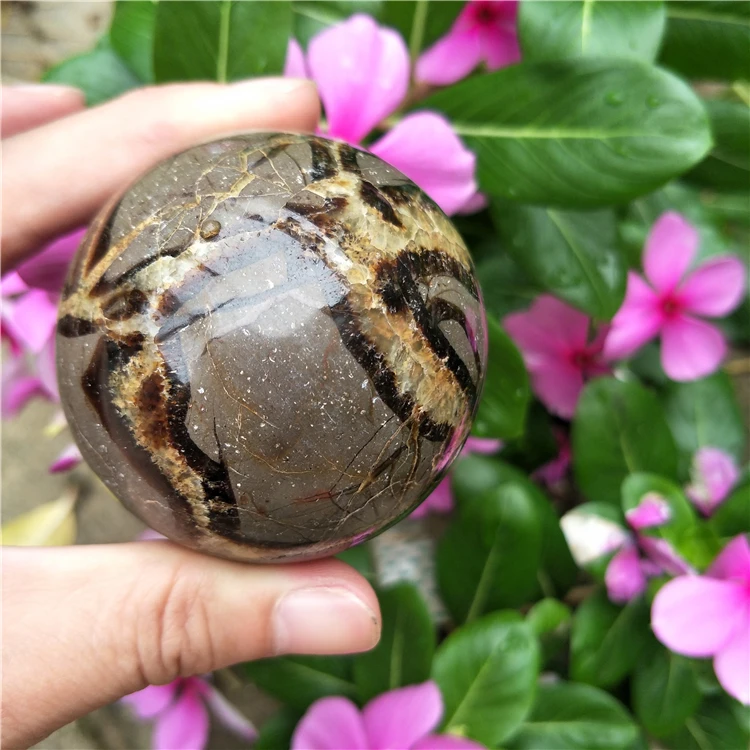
(271, 346)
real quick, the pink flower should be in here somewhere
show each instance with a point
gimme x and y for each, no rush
(555, 470)
(362, 73)
(47, 269)
(400, 719)
(713, 475)
(554, 341)
(653, 510)
(441, 498)
(702, 616)
(68, 459)
(690, 347)
(625, 577)
(485, 31)
(180, 714)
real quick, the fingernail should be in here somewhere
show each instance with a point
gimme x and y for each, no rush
(46, 89)
(275, 87)
(323, 621)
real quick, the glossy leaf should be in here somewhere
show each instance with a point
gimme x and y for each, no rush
(100, 74)
(276, 733)
(132, 35)
(312, 16)
(550, 621)
(567, 716)
(421, 23)
(733, 516)
(299, 681)
(727, 167)
(220, 40)
(707, 40)
(572, 255)
(551, 30)
(505, 285)
(615, 129)
(404, 653)
(619, 428)
(704, 413)
(664, 690)
(506, 395)
(607, 640)
(50, 524)
(487, 673)
(719, 724)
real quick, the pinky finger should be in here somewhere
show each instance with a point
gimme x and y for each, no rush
(27, 106)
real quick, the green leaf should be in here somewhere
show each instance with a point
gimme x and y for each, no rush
(220, 40)
(505, 285)
(421, 23)
(299, 681)
(506, 395)
(132, 35)
(487, 673)
(576, 133)
(312, 16)
(733, 516)
(619, 428)
(607, 640)
(276, 733)
(360, 558)
(727, 167)
(719, 724)
(550, 621)
(489, 557)
(572, 255)
(704, 413)
(100, 74)
(567, 716)
(404, 653)
(590, 28)
(707, 40)
(664, 690)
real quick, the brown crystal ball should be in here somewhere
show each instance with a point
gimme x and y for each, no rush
(271, 346)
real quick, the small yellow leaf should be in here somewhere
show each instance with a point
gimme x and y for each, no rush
(51, 524)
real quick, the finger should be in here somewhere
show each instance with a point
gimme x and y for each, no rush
(57, 176)
(25, 107)
(84, 626)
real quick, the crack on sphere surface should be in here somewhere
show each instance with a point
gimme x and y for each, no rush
(271, 347)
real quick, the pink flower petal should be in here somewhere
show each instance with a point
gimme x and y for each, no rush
(732, 663)
(713, 475)
(483, 446)
(636, 322)
(440, 500)
(294, 65)
(670, 248)
(446, 742)
(696, 616)
(47, 269)
(500, 47)
(624, 577)
(32, 320)
(451, 58)
(46, 368)
(411, 146)
(662, 554)
(362, 72)
(68, 459)
(653, 510)
(476, 203)
(184, 725)
(331, 724)
(715, 288)
(12, 284)
(558, 386)
(401, 717)
(18, 388)
(229, 715)
(733, 562)
(691, 348)
(152, 700)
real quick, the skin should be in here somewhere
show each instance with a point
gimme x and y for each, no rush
(84, 626)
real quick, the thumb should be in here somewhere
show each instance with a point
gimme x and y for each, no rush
(84, 626)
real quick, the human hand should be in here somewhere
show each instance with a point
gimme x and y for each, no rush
(84, 626)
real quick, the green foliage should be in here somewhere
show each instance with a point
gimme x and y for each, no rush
(132, 35)
(719, 724)
(567, 716)
(502, 410)
(421, 23)
(553, 30)
(619, 428)
(733, 516)
(570, 254)
(220, 40)
(607, 640)
(487, 673)
(276, 733)
(407, 644)
(312, 16)
(618, 129)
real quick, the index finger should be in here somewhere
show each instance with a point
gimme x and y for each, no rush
(57, 176)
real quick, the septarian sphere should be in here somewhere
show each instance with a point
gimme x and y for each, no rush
(271, 346)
